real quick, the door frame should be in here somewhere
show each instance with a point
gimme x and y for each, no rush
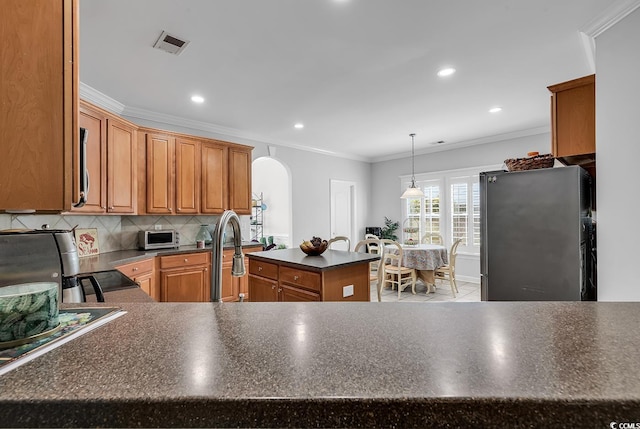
(353, 221)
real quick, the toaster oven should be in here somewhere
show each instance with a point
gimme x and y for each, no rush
(158, 239)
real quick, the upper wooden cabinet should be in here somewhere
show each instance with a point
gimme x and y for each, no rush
(573, 120)
(190, 175)
(38, 111)
(173, 174)
(214, 168)
(240, 179)
(111, 162)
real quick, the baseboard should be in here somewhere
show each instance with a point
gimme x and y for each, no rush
(468, 279)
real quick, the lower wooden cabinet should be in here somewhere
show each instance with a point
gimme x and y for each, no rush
(232, 287)
(143, 273)
(185, 277)
(285, 281)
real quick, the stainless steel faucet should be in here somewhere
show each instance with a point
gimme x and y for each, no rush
(237, 267)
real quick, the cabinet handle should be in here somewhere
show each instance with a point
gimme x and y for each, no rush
(186, 260)
(206, 269)
(279, 289)
(179, 209)
(295, 278)
(111, 207)
(259, 268)
(273, 286)
(135, 268)
(103, 207)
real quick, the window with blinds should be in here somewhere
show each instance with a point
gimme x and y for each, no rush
(450, 207)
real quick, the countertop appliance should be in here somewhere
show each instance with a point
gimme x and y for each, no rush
(48, 255)
(158, 239)
(536, 235)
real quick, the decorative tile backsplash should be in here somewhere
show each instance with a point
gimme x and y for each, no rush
(121, 232)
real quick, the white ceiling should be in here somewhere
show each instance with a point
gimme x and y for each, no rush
(360, 74)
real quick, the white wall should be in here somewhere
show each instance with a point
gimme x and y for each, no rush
(386, 188)
(618, 154)
(271, 178)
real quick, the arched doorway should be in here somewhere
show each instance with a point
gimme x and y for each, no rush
(271, 180)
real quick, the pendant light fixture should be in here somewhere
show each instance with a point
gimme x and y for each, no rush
(412, 191)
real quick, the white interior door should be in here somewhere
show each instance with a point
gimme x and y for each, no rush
(343, 212)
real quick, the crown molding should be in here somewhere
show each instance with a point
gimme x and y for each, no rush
(104, 101)
(101, 100)
(466, 143)
(601, 23)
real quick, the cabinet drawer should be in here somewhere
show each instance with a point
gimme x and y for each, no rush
(263, 269)
(135, 269)
(184, 260)
(301, 278)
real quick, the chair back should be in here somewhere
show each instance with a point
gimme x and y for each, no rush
(432, 238)
(340, 238)
(367, 246)
(372, 248)
(393, 255)
(453, 253)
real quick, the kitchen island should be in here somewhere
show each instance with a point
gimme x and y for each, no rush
(291, 275)
(482, 364)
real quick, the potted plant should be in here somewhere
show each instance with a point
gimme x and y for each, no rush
(389, 229)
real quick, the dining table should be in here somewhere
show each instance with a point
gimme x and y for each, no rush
(425, 259)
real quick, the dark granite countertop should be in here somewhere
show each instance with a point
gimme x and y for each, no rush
(328, 260)
(109, 260)
(486, 364)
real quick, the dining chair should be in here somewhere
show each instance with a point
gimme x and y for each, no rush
(375, 267)
(393, 273)
(339, 238)
(448, 272)
(372, 248)
(432, 238)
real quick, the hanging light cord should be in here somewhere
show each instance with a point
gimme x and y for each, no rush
(413, 176)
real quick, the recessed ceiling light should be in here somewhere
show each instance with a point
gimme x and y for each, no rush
(298, 126)
(197, 99)
(446, 72)
(495, 109)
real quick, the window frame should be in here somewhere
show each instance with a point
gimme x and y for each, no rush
(445, 179)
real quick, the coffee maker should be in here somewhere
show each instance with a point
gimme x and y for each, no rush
(44, 255)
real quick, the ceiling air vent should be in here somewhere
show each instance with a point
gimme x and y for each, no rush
(168, 43)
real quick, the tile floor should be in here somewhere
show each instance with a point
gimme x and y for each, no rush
(468, 292)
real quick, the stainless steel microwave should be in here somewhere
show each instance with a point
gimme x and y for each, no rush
(158, 239)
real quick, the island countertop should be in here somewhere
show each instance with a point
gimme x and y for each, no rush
(497, 364)
(328, 260)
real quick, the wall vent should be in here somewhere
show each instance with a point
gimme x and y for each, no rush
(169, 43)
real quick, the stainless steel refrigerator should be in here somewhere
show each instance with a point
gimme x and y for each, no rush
(535, 235)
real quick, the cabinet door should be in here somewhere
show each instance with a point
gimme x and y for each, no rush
(240, 180)
(38, 89)
(573, 117)
(294, 294)
(121, 167)
(229, 284)
(184, 286)
(214, 178)
(187, 176)
(96, 125)
(262, 290)
(145, 282)
(160, 149)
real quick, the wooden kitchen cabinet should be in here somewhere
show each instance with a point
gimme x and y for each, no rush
(143, 273)
(160, 152)
(573, 121)
(270, 282)
(111, 162)
(240, 179)
(187, 184)
(232, 286)
(185, 277)
(215, 180)
(38, 112)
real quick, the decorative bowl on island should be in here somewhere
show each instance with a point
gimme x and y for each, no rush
(314, 247)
